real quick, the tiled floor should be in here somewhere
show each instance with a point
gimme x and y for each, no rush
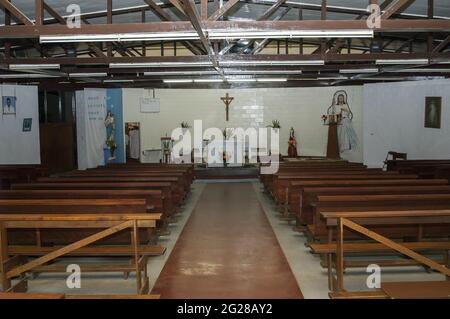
(227, 250)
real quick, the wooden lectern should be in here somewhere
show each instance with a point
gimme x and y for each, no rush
(332, 121)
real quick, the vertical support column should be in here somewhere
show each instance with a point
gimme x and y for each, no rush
(330, 262)
(340, 256)
(6, 283)
(430, 35)
(135, 242)
(144, 45)
(300, 17)
(7, 43)
(39, 12)
(323, 16)
(447, 262)
(109, 20)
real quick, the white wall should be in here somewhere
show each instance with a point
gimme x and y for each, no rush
(394, 116)
(300, 108)
(17, 147)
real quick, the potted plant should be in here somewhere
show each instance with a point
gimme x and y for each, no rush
(275, 124)
(185, 125)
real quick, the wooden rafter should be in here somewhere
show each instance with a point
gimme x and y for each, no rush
(395, 7)
(269, 12)
(223, 10)
(15, 12)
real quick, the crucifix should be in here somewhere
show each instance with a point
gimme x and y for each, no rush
(227, 100)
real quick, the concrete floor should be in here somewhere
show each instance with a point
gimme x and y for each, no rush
(311, 278)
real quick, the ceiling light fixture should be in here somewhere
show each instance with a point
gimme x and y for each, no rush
(34, 66)
(354, 71)
(402, 61)
(178, 81)
(212, 35)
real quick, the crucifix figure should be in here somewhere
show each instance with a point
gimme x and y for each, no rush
(227, 100)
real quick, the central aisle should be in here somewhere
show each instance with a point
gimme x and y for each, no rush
(227, 250)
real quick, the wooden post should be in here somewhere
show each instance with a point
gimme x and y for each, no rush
(333, 144)
(340, 256)
(135, 242)
(330, 262)
(6, 283)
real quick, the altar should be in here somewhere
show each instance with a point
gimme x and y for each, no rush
(228, 153)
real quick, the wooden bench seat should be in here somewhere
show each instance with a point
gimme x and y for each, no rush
(350, 247)
(417, 290)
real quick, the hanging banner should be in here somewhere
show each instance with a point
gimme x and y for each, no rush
(91, 114)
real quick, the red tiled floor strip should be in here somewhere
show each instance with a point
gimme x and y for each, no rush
(227, 250)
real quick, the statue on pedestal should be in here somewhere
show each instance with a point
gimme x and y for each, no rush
(341, 134)
(292, 150)
(347, 137)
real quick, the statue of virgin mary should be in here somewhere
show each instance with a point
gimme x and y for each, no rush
(348, 139)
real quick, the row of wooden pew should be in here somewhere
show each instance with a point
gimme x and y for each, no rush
(117, 210)
(423, 168)
(10, 174)
(347, 209)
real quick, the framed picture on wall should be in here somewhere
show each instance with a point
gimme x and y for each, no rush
(8, 105)
(27, 123)
(433, 110)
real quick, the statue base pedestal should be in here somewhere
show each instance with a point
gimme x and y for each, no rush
(333, 144)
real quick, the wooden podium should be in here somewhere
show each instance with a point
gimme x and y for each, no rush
(332, 121)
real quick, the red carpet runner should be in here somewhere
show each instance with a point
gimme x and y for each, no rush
(227, 250)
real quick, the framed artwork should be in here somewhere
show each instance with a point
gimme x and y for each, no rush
(27, 123)
(433, 111)
(8, 105)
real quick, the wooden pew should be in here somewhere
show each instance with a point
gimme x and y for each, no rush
(303, 210)
(184, 179)
(282, 184)
(167, 188)
(157, 201)
(10, 174)
(358, 221)
(108, 225)
(69, 206)
(179, 192)
(319, 231)
(304, 214)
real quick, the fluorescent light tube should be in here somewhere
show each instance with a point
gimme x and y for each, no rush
(332, 78)
(80, 75)
(27, 76)
(34, 66)
(158, 64)
(272, 80)
(118, 81)
(241, 80)
(208, 80)
(403, 61)
(421, 71)
(354, 71)
(287, 34)
(178, 81)
(180, 73)
(212, 34)
(272, 62)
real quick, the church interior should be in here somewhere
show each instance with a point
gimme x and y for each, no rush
(225, 149)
